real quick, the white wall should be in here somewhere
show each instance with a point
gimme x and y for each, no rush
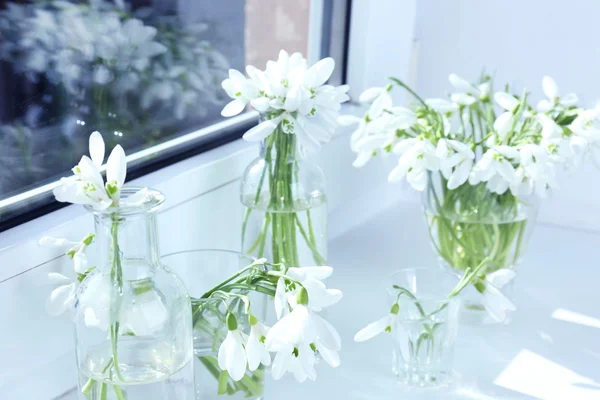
(519, 42)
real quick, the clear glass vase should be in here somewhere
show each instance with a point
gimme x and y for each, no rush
(286, 209)
(426, 326)
(469, 224)
(133, 326)
(203, 270)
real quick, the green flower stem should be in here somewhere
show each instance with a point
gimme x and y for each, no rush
(116, 275)
(281, 221)
(464, 239)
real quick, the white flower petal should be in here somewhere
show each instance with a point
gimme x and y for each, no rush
(496, 304)
(503, 124)
(232, 108)
(362, 159)
(506, 101)
(383, 102)
(236, 361)
(60, 299)
(372, 330)
(80, 262)
(331, 357)
(549, 87)
(59, 279)
(544, 106)
(96, 148)
(261, 104)
(319, 73)
(116, 166)
(280, 299)
(462, 85)
(280, 363)
(346, 120)
(464, 99)
(136, 199)
(49, 241)
(501, 277)
(261, 131)
(441, 105)
(569, 100)
(370, 94)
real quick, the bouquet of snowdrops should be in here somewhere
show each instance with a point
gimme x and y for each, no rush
(299, 296)
(481, 157)
(298, 114)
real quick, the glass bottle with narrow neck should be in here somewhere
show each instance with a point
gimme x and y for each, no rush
(283, 192)
(133, 319)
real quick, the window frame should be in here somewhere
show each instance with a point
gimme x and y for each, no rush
(328, 36)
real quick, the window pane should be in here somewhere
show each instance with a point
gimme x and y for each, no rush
(140, 72)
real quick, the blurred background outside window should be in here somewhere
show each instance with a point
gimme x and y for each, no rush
(140, 72)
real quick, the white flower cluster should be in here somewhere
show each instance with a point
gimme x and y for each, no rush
(147, 313)
(298, 336)
(101, 44)
(500, 141)
(87, 186)
(289, 95)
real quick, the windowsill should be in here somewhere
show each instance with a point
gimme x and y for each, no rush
(550, 347)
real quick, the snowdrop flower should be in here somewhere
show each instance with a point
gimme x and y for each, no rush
(360, 131)
(505, 121)
(380, 100)
(550, 89)
(87, 185)
(538, 170)
(367, 147)
(75, 250)
(312, 279)
(456, 161)
(232, 355)
(587, 125)
(280, 299)
(63, 297)
(417, 156)
(497, 305)
(256, 352)
(291, 96)
(495, 168)
(294, 336)
(469, 93)
(441, 105)
(241, 90)
(385, 324)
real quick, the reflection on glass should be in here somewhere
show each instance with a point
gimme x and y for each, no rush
(139, 71)
(126, 69)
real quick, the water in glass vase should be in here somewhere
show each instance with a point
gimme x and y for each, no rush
(149, 371)
(295, 236)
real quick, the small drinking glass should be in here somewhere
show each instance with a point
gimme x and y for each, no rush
(201, 270)
(426, 324)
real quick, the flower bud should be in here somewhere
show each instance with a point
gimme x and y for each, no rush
(232, 324)
(395, 309)
(302, 296)
(252, 320)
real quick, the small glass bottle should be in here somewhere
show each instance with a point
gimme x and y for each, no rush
(133, 322)
(285, 216)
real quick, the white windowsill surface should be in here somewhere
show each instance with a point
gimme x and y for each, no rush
(549, 351)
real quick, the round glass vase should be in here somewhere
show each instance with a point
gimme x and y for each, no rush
(426, 326)
(202, 270)
(133, 326)
(285, 217)
(468, 225)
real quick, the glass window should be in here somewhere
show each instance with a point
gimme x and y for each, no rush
(141, 72)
